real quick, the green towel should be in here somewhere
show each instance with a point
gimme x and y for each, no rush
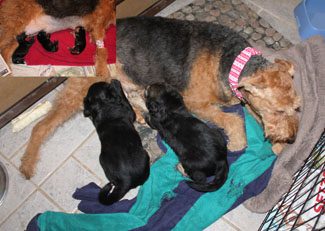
(163, 179)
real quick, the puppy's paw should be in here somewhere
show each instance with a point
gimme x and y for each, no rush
(180, 168)
(236, 134)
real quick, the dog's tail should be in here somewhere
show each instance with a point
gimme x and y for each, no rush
(107, 198)
(220, 178)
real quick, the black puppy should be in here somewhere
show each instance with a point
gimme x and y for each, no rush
(125, 162)
(21, 51)
(79, 42)
(201, 150)
(47, 44)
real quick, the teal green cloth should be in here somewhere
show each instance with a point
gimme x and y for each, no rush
(160, 184)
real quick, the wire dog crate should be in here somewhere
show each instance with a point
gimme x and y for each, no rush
(303, 207)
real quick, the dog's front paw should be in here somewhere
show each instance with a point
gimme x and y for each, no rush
(236, 134)
(26, 169)
(277, 148)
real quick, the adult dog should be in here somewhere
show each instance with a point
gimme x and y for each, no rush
(126, 164)
(196, 59)
(202, 151)
(31, 16)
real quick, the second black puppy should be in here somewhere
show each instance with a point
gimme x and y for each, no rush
(125, 162)
(201, 150)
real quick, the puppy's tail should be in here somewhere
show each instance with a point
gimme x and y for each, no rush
(220, 178)
(107, 198)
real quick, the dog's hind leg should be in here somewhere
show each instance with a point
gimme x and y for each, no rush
(9, 50)
(69, 102)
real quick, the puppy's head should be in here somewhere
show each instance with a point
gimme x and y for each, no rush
(107, 100)
(162, 99)
(271, 95)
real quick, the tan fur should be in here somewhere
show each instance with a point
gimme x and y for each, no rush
(271, 96)
(203, 94)
(16, 16)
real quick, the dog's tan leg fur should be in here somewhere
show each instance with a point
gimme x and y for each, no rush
(204, 92)
(69, 102)
(97, 23)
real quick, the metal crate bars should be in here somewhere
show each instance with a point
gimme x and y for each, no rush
(303, 207)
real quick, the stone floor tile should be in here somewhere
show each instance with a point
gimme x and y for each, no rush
(36, 203)
(18, 190)
(65, 140)
(62, 184)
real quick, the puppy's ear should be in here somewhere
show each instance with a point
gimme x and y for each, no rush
(86, 110)
(285, 65)
(116, 86)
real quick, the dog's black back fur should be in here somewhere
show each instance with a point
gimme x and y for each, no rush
(125, 162)
(65, 8)
(201, 150)
(161, 50)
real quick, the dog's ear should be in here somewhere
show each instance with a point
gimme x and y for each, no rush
(253, 84)
(285, 65)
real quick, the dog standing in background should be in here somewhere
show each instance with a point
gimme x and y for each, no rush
(32, 16)
(125, 162)
(202, 151)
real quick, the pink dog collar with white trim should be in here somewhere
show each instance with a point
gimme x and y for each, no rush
(238, 66)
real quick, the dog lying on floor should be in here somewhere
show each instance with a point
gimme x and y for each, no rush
(202, 151)
(125, 162)
(52, 15)
(196, 59)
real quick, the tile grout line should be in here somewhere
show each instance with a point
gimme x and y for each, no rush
(18, 206)
(65, 160)
(87, 169)
(230, 223)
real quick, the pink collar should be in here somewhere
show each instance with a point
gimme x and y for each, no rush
(238, 66)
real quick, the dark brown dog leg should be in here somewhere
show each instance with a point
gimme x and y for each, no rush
(69, 102)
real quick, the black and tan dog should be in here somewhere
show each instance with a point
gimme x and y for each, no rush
(33, 16)
(125, 162)
(196, 59)
(202, 151)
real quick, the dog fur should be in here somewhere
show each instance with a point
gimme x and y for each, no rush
(194, 58)
(32, 16)
(126, 164)
(201, 150)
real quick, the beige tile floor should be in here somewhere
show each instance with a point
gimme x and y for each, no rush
(69, 159)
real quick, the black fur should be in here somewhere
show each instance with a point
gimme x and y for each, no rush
(161, 50)
(202, 150)
(125, 162)
(80, 41)
(45, 41)
(65, 8)
(25, 43)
